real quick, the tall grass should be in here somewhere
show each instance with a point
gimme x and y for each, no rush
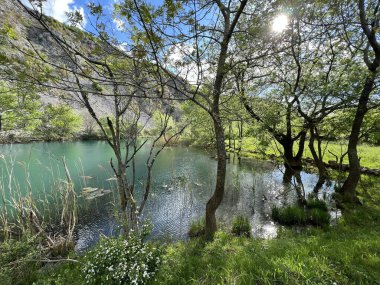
(27, 210)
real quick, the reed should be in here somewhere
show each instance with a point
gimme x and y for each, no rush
(26, 210)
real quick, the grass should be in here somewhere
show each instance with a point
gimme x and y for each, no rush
(241, 226)
(348, 253)
(290, 215)
(314, 213)
(316, 204)
(369, 154)
(197, 228)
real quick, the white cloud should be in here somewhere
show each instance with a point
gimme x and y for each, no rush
(81, 11)
(120, 24)
(58, 9)
(180, 59)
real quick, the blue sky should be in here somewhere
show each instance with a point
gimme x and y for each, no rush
(58, 8)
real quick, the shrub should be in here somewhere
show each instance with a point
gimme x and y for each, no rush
(318, 217)
(19, 260)
(120, 261)
(290, 215)
(197, 228)
(241, 226)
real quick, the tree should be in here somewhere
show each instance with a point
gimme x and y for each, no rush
(58, 122)
(8, 102)
(19, 107)
(310, 78)
(201, 37)
(95, 74)
(369, 23)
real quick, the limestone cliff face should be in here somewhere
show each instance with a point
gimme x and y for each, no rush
(24, 42)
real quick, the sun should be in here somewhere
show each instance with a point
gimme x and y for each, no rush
(280, 23)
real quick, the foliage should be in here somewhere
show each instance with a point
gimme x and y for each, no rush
(241, 226)
(121, 261)
(197, 228)
(61, 274)
(200, 131)
(19, 260)
(58, 121)
(338, 125)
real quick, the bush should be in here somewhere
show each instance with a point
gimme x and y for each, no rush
(120, 261)
(197, 228)
(241, 226)
(290, 215)
(318, 217)
(19, 260)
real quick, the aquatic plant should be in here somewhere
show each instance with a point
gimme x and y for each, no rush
(241, 226)
(24, 212)
(318, 217)
(290, 215)
(316, 204)
(315, 213)
(197, 228)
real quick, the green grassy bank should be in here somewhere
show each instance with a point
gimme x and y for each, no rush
(348, 253)
(369, 154)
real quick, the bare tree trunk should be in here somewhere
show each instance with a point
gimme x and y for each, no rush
(288, 174)
(290, 160)
(300, 189)
(229, 135)
(292, 163)
(318, 160)
(352, 180)
(217, 197)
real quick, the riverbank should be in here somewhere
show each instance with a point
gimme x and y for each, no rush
(369, 154)
(370, 164)
(23, 137)
(347, 253)
(341, 253)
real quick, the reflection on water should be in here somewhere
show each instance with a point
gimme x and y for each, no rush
(183, 180)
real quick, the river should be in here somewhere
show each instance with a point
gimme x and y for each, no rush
(183, 180)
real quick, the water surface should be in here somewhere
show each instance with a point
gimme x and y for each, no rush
(183, 180)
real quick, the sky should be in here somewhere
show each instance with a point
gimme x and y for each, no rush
(58, 8)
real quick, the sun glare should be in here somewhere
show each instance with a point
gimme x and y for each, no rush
(280, 23)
